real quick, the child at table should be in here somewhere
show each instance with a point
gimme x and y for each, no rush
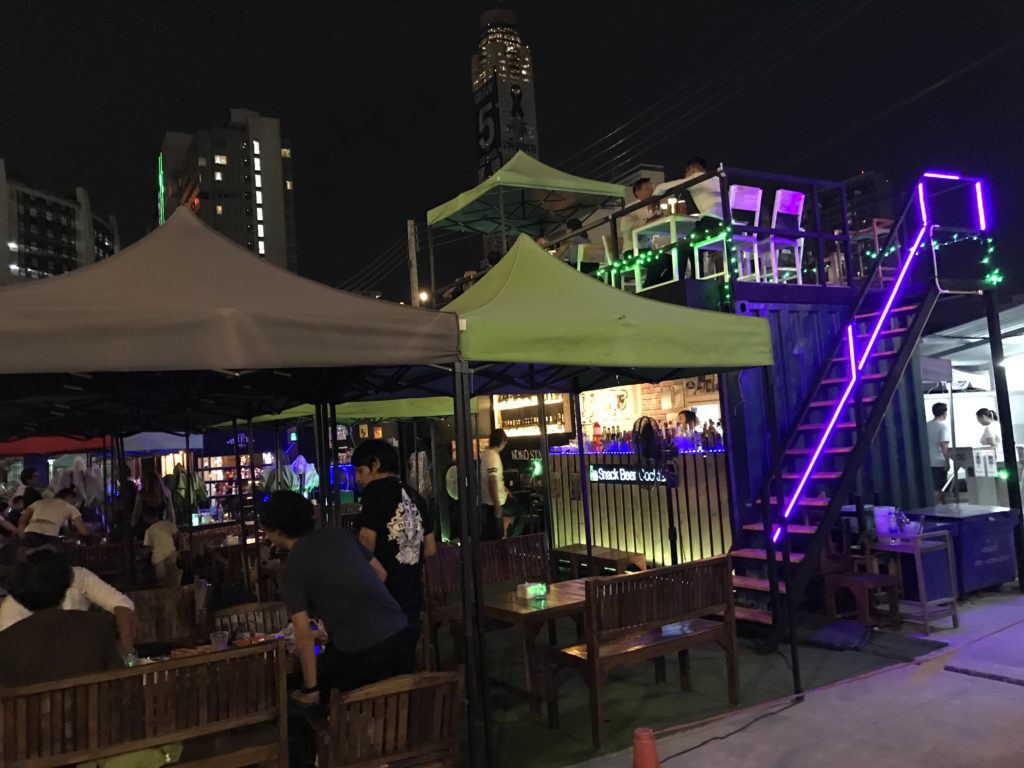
(162, 539)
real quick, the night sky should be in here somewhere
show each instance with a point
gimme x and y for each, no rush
(376, 98)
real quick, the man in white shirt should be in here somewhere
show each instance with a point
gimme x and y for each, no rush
(87, 590)
(42, 521)
(938, 449)
(493, 492)
(643, 189)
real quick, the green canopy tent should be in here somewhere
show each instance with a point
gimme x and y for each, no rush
(524, 196)
(534, 309)
(372, 410)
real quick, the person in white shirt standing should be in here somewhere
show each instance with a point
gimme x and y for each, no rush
(493, 491)
(162, 539)
(990, 438)
(939, 440)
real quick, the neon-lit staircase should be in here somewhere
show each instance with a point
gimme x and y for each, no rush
(813, 473)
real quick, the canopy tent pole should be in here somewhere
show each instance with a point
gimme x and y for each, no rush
(252, 489)
(433, 276)
(318, 423)
(335, 480)
(577, 417)
(995, 340)
(543, 422)
(238, 461)
(501, 214)
(469, 531)
(188, 480)
(436, 483)
(324, 469)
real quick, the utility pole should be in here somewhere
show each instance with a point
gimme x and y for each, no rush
(414, 275)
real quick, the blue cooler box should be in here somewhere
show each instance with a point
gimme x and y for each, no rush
(982, 543)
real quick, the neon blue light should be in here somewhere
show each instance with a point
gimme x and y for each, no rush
(982, 223)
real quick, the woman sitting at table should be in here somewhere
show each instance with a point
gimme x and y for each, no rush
(42, 522)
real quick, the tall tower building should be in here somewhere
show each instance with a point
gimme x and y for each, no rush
(506, 116)
(238, 179)
(44, 234)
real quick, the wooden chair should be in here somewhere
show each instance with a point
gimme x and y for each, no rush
(171, 615)
(229, 709)
(406, 721)
(863, 587)
(109, 561)
(514, 560)
(637, 617)
(265, 618)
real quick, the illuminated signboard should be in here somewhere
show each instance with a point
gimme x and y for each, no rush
(624, 475)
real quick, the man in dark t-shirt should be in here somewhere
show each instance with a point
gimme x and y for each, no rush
(328, 574)
(395, 524)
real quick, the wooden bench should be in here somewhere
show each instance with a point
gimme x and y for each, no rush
(171, 615)
(615, 560)
(410, 720)
(229, 709)
(645, 616)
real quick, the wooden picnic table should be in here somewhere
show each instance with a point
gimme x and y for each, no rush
(565, 599)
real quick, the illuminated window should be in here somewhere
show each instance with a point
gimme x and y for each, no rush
(218, 176)
(255, 147)
(259, 198)
(202, 162)
(259, 230)
(220, 159)
(259, 214)
(259, 181)
(288, 184)
(286, 152)
(263, 248)
(220, 210)
(256, 164)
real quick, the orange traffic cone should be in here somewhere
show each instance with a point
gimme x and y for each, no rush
(645, 753)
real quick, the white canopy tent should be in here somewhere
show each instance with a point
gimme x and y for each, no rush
(186, 298)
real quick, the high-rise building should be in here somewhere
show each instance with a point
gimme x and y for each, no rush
(238, 179)
(45, 234)
(506, 116)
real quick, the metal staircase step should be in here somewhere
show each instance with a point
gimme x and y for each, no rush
(819, 425)
(760, 554)
(808, 451)
(799, 530)
(814, 476)
(806, 501)
(885, 333)
(756, 585)
(862, 377)
(873, 356)
(830, 403)
(753, 615)
(894, 311)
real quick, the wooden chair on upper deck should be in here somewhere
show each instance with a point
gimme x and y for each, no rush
(645, 616)
(402, 722)
(108, 561)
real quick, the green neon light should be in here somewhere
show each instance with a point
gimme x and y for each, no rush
(161, 217)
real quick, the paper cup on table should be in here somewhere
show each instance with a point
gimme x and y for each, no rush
(219, 640)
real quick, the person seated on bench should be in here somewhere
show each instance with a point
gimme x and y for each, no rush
(87, 590)
(329, 574)
(51, 643)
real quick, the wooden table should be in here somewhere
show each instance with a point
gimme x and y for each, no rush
(565, 599)
(604, 557)
(924, 610)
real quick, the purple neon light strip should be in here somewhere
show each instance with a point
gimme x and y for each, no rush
(892, 297)
(982, 223)
(824, 438)
(942, 175)
(920, 200)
